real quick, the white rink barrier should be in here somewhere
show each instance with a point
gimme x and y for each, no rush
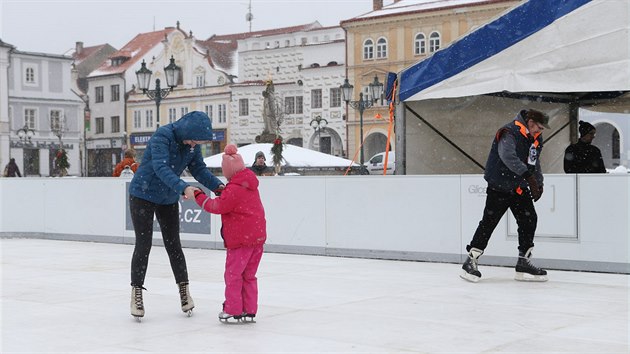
(583, 220)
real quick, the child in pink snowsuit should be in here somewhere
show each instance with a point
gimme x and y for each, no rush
(244, 232)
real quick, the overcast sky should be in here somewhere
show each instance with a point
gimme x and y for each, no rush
(53, 26)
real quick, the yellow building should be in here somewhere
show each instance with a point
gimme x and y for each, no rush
(392, 37)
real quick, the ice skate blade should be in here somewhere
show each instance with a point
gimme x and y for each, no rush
(530, 277)
(469, 277)
(137, 318)
(189, 313)
(232, 321)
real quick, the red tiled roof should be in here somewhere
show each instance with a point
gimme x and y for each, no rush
(223, 47)
(134, 50)
(86, 52)
(269, 32)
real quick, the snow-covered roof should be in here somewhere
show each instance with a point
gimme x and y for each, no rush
(412, 6)
(293, 156)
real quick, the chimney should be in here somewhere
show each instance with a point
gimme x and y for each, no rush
(377, 4)
(79, 47)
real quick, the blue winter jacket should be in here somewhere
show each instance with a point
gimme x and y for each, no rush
(166, 156)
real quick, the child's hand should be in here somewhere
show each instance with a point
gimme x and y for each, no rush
(220, 189)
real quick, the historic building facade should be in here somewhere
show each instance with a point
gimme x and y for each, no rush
(44, 113)
(392, 37)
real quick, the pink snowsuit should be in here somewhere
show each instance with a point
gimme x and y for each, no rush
(244, 233)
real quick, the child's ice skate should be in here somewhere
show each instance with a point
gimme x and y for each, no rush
(248, 317)
(230, 319)
(186, 301)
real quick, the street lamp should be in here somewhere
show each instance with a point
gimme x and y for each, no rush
(144, 77)
(25, 134)
(318, 123)
(376, 89)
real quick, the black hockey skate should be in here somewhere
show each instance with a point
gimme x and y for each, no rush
(186, 301)
(471, 273)
(526, 271)
(137, 303)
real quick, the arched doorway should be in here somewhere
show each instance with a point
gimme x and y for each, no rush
(608, 142)
(327, 141)
(375, 143)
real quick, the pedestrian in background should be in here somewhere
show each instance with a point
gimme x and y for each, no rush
(515, 181)
(12, 169)
(128, 163)
(244, 231)
(260, 167)
(583, 157)
(155, 190)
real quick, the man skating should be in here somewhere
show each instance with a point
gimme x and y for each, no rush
(515, 181)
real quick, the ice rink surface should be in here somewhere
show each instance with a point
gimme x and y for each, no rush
(73, 297)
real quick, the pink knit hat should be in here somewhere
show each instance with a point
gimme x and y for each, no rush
(232, 162)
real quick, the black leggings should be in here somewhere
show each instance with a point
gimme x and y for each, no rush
(497, 203)
(142, 212)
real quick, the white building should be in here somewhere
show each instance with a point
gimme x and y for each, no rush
(123, 116)
(306, 65)
(43, 112)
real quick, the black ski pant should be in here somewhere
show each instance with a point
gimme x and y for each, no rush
(497, 203)
(142, 212)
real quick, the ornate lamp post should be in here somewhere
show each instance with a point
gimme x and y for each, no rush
(25, 134)
(318, 123)
(376, 89)
(144, 77)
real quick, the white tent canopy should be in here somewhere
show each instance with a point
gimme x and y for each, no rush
(560, 46)
(292, 156)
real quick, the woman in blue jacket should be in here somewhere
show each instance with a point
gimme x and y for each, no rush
(155, 190)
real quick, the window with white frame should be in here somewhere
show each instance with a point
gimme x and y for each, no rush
(29, 117)
(289, 105)
(243, 107)
(420, 44)
(368, 49)
(115, 120)
(98, 94)
(316, 98)
(200, 81)
(222, 112)
(148, 115)
(115, 92)
(100, 125)
(208, 109)
(30, 75)
(55, 119)
(434, 42)
(299, 104)
(137, 119)
(335, 97)
(381, 48)
(184, 111)
(172, 115)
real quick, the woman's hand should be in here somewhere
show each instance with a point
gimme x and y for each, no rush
(189, 192)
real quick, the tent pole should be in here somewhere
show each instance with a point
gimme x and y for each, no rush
(401, 138)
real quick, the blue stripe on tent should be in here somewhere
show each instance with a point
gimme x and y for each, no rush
(496, 36)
